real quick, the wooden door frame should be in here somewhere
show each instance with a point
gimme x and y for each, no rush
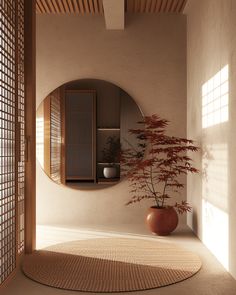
(30, 125)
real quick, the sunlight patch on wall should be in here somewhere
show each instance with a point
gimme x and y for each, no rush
(215, 219)
(215, 99)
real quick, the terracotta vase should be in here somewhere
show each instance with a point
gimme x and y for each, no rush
(162, 221)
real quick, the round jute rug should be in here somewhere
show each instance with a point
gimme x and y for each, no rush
(111, 265)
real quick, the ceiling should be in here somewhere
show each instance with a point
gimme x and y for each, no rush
(96, 6)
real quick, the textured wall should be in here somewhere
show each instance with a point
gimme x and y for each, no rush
(147, 59)
(211, 47)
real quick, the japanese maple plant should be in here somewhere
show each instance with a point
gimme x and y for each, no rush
(155, 164)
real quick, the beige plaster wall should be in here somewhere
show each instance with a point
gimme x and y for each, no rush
(211, 46)
(147, 59)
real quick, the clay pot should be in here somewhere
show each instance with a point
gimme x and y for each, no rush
(162, 221)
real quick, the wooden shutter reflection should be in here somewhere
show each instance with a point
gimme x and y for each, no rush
(11, 135)
(52, 135)
(55, 136)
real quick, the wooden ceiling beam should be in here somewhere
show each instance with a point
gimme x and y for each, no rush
(71, 7)
(169, 5)
(86, 6)
(143, 5)
(100, 5)
(51, 6)
(76, 6)
(114, 12)
(148, 6)
(182, 6)
(42, 9)
(67, 9)
(55, 4)
(97, 6)
(158, 6)
(163, 5)
(61, 7)
(46, 7)
(153, 6)
(81, 6)
(130, 5)
(91, 6)
(38, 9)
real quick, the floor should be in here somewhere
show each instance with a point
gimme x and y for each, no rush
(211, 280)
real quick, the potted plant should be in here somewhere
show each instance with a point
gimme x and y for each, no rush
(154, 170)
(111, 155)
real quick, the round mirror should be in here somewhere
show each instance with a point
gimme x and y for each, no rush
(81, 128)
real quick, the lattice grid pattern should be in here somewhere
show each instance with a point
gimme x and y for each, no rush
(21, 126)
(12, 100)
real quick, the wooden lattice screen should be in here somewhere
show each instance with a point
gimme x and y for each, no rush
(21, 125)
(11, 134)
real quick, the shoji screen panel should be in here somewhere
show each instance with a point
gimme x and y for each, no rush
(7, 137)
(21, 125)
(11, 134)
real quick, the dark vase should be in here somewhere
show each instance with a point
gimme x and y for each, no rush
(162, 221)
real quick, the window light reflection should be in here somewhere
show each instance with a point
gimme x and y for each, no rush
(215, 99)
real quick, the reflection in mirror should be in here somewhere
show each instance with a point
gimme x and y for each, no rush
(81, 128)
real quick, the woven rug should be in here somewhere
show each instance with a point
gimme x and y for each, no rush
(111, 265)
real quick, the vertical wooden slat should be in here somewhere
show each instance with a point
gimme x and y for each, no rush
(136, 5)
(41, 6)
(91, 7)
(30, 127)
(67, 9)
(153, 6)
(18, 56)
(148, 6)
(100, 5)
(45, 5)
(38, 9)
(71, 7)
(158, 6)
(96, 8)
(163, 6)
(56, 7)
(62, 9)
(81, 6)
(173, 6)
(51, 6)
(76, 5)
(47, 135)
(63, 136)
(55, 136)
(169, 5)
(143, 5)
(86, 6)
(182, 6)
(130, 5)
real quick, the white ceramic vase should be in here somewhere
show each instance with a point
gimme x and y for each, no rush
(109, 172)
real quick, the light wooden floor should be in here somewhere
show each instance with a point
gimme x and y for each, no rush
(211, 280)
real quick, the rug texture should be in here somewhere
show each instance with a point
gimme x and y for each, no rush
(111, 265)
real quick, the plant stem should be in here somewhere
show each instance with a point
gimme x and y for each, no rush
(163, 198)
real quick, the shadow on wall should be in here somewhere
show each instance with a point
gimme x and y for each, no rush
(215, 159)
